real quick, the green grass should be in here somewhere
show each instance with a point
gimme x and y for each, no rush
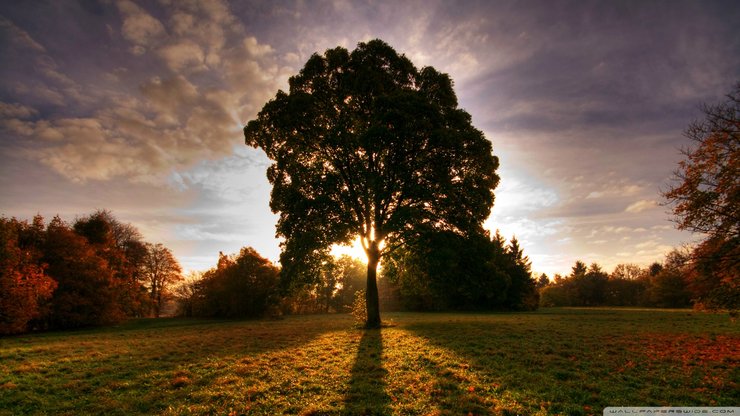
(554, 361)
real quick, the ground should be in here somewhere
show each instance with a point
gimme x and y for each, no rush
(553, 361)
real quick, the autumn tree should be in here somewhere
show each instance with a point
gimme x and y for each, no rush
(123, 247)
(24, 285)
(706, 199)
(86, 294)
(161, 271)
(366, 145)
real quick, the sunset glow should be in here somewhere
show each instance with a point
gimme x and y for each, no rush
(354, 250)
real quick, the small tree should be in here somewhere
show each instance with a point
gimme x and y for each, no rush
(189, 295)
(366, 145)
(241, 286)
(522, 293)
(706, 200)
(542, 281)
(351, 273)
(161, 270)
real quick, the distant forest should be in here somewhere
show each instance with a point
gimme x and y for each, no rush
(99, 271)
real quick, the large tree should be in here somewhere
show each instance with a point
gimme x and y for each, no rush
(706, 200)
(366, 145)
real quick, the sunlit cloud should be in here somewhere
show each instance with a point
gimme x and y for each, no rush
(641, 205)
(139, 27)
(167, 123)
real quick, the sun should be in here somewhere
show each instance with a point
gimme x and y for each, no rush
(354, 250)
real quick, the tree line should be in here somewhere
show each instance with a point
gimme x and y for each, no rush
(99, 271)
(673, 283)
(247, 285)
(441, 271)
(95, 271)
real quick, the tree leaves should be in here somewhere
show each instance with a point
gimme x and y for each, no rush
(706, 199)
(365, 144)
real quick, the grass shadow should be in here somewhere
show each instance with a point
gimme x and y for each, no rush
(93, 371)
(367, 389)
(544, 360)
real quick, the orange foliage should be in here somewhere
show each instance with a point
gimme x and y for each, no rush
(696, 355)
(694, 351)
(24, 286)
(87, 290)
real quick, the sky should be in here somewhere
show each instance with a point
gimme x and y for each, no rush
(138, 107)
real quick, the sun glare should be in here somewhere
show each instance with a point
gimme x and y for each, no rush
(354, 250)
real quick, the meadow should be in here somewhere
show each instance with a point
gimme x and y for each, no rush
(553, 361)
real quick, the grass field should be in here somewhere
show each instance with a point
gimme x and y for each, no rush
(554, 361)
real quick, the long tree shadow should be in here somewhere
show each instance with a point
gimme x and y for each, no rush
(544, 359)
(523, 362)
(367, 389)
(158, 352)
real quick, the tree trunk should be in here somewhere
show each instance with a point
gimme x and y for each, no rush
(371, 294)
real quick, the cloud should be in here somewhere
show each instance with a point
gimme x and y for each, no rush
(171, 95)
(19, 37)
(78, 148)
(640, 206)
(177, 101)
(185, 54)
(139, 27)
(16, 110)
(521, 194)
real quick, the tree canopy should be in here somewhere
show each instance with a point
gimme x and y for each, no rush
(706, 199)
(446, 271)
(366, 145)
